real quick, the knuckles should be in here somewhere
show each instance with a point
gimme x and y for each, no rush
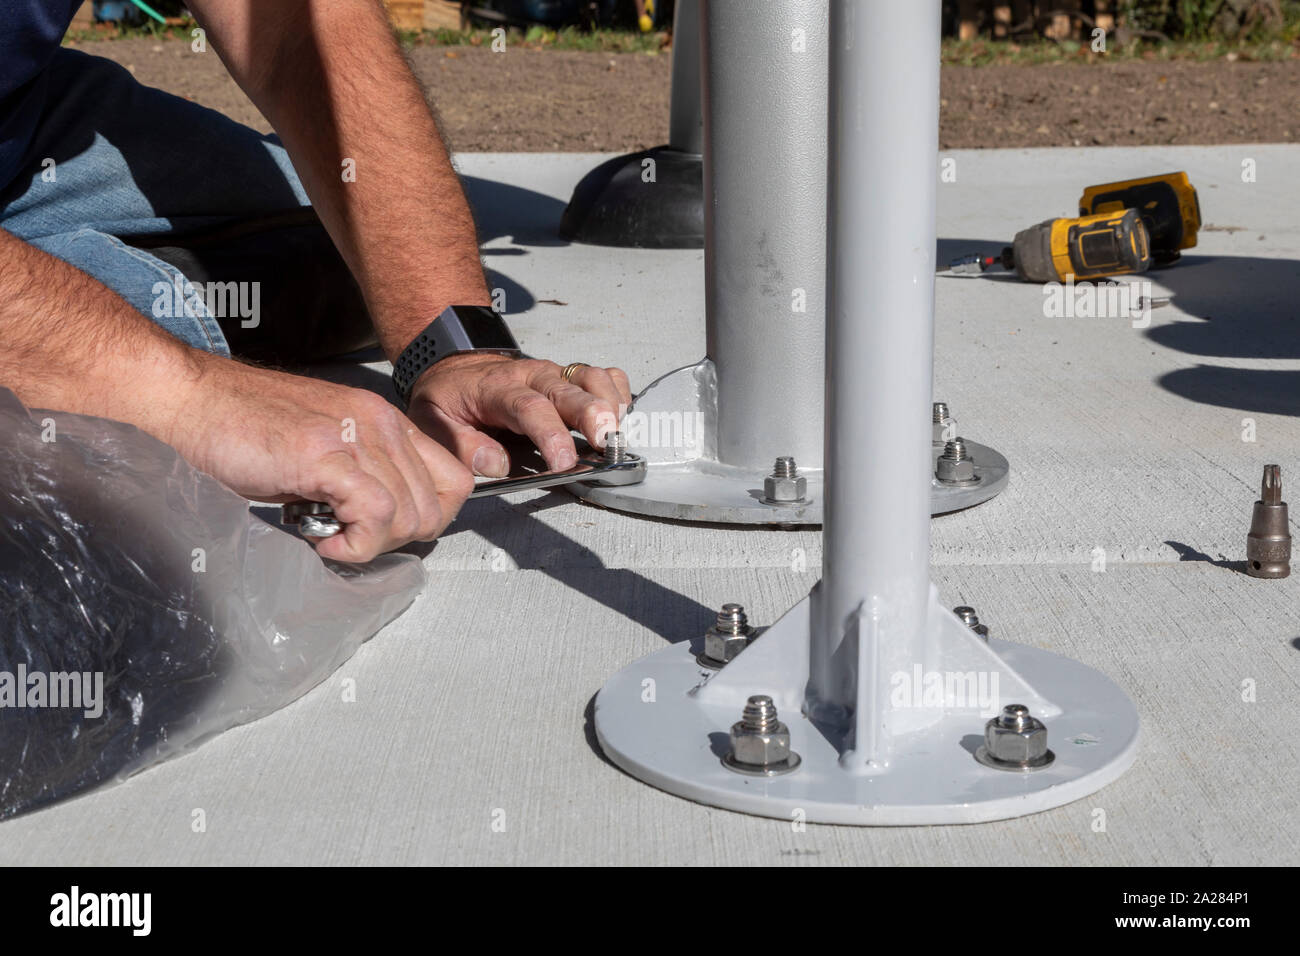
(460, 482)
(526, 404)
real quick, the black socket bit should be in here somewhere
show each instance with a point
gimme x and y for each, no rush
(1268, 546)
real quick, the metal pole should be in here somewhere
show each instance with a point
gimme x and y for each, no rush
(765, 226)
(686, 121)
(879, 343)
(758, 395)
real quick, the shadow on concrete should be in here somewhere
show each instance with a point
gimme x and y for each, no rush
(1244, 307)
(949, 249)
(1263, 391)
(1188, 553)
(589, 731)
(532, 545)
(528, 217)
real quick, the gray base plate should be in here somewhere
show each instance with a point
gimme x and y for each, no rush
(704, 490)
(672, 424)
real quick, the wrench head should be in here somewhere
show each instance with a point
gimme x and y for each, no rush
(629, 471)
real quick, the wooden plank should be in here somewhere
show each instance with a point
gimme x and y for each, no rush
(968, 26)
(442, 14)
(1001, 20)
(406, 14)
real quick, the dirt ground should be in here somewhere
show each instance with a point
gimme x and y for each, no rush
(553, 100)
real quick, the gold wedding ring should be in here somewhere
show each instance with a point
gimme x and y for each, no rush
(571, 370)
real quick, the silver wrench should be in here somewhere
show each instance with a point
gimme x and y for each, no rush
(618, 466)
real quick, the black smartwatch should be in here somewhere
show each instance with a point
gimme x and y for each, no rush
(460, 328)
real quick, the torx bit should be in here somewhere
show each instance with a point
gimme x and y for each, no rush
(1268, 545)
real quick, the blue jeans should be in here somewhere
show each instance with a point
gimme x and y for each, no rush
(131, 161)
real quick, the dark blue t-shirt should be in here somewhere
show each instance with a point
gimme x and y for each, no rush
(30, 31)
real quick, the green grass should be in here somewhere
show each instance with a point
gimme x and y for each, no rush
(542, 38)
(982, 52)
(535, 38)
(112, 31)
(1283, 45)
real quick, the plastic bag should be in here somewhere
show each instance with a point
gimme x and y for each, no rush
(143, 608)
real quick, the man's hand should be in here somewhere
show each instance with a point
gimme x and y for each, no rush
(463, 393)
(267, 434)
(272, 436)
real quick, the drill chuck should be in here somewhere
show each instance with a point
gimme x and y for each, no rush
(1268, 545)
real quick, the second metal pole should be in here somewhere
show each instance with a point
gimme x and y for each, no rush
(686, 117)
(764, 226)
(869, 617)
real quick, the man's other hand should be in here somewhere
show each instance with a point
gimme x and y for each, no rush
(462, 394)
(277, 437)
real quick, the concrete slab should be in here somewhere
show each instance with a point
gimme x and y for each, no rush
(473, 707)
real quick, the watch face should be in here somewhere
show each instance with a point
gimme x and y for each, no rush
(484, 328)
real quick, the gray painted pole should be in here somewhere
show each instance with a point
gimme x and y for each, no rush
(870, 613)
(686, 121)
(765, 226)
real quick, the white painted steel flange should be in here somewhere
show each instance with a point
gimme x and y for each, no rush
(672, 425)
(664, 719)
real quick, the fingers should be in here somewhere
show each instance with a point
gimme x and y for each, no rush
(619, 377)
(582, 410)
(610, 385)
(393, 486)
(543, 406)
(361, 502)
(478, 452)
(527, 411)
(591, 401)
(449, 477)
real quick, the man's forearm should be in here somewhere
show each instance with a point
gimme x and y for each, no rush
(68, 342)
(330, 77)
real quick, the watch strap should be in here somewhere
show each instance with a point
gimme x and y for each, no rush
(458, 328)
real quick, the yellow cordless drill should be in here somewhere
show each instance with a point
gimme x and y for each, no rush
(1122, 228)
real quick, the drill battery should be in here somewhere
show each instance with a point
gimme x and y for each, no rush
(1168, 205)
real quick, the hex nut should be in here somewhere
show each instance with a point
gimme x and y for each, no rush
(319, 526)
(785, 490)
(953, 471)
(968, 617)
(753, 748)
(1014, 740)
(721, 646)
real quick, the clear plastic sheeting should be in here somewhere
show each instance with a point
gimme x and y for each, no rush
(143, 608)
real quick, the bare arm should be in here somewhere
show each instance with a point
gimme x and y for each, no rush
(69, 343)
(330, 77)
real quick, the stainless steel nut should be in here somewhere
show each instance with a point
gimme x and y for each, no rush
(760, 748)
(949, 470)
(785, 489)
(722, 646)
(319, 526)
(1026, 746)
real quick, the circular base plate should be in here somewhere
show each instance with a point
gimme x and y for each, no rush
(704, 490)
(676, 743)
